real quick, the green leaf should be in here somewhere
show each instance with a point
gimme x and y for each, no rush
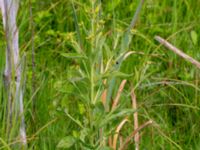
(117, 74)
(126, 40)
(112, 116)
(74, 120)
(73, 55)
(66, 142)
(194, 37)
(83, 134)
(98, 110)
(81, 108)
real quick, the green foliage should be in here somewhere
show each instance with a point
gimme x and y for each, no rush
(66, 142)
(194, 37)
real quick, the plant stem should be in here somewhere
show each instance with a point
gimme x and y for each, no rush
(177, 51)
(13, 74)
(33, 58)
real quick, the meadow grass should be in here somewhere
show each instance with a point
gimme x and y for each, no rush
(79, 44)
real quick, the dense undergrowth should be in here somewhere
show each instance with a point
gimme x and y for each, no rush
(80, 50)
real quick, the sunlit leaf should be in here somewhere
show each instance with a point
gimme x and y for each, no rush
(117, 74)
(66, 142)
(112, 116)
(194, 37)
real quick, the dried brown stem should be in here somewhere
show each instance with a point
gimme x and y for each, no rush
(177, 51)
(115, 138)
(127, 141)
(110, 141)
(13, 67)
(134, 105)
(116, 100)
(104, 94)
(121, 140)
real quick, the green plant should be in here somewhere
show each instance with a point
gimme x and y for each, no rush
(98, 56)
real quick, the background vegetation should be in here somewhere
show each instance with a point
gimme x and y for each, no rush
(77, 44)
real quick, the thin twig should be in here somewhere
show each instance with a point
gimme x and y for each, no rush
(119, 127)
(116, 100)
(104, 94)
(134, 105)
(177, 51)
(123, 147)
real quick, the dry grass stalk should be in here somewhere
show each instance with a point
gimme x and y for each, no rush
(127, 141)
(120, 140)
(103, 99)
(126, 55)
(177, 51)
(104, 94)
(116, 100)
(115, 138)
(110, 141)
(13, 68)
(134, 105)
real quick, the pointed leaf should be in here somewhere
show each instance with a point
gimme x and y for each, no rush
(112, 116)
(66, 142)
(117, 74)
(194, 37)
(73, 55)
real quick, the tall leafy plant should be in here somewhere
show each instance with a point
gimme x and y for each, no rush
(95, 78)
